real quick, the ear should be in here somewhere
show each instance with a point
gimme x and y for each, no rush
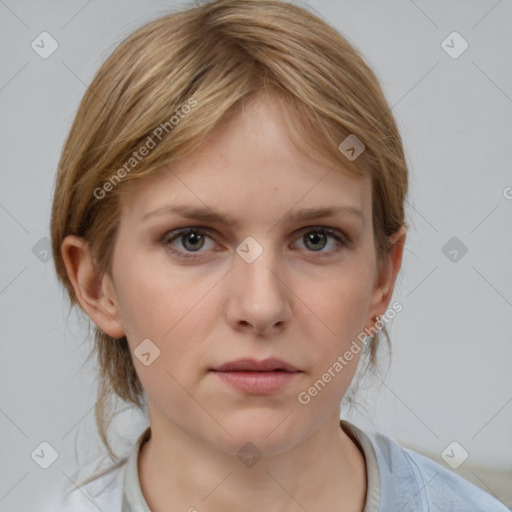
(386, 276)
(94, 292)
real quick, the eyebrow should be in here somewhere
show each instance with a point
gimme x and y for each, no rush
(206, 215)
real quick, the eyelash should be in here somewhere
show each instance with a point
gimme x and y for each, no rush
(166, 240)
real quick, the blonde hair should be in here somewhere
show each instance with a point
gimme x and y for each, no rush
(218, 54)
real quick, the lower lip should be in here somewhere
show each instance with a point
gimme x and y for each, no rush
(257, 383)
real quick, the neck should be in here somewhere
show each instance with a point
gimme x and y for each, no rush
(326, 470)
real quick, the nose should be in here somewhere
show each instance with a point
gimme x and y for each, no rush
(258, 296)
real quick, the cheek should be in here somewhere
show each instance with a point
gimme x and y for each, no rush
(154, 299)
(338, 303)
(175, 312)
(177, 325)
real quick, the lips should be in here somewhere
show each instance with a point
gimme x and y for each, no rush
(252, 365)
(253, 377)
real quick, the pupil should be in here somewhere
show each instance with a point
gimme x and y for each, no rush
(195, 238)
(315, 239)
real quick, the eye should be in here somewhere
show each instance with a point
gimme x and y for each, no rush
(317, 238)
(191, 239)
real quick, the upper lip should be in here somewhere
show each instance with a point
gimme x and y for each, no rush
(250, 364)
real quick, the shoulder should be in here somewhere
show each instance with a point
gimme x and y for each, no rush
(104, 492)
(421, 484)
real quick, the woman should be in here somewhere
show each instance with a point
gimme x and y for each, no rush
(229, 212)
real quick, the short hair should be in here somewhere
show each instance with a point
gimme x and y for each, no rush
(186, 72)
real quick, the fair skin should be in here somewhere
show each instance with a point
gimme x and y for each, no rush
(303, 300)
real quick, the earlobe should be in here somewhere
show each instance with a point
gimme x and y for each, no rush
(90, 286)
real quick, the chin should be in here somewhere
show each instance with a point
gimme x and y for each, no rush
(266, 430)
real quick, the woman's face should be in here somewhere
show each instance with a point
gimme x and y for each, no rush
(271, 284)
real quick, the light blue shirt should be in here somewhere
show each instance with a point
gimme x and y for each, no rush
(398, 480)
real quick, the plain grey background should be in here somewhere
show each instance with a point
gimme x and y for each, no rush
(450, 378)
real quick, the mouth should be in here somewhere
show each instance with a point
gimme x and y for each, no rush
(257, 377)
(247, 364)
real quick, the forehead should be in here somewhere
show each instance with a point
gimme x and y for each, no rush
(249, 163)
